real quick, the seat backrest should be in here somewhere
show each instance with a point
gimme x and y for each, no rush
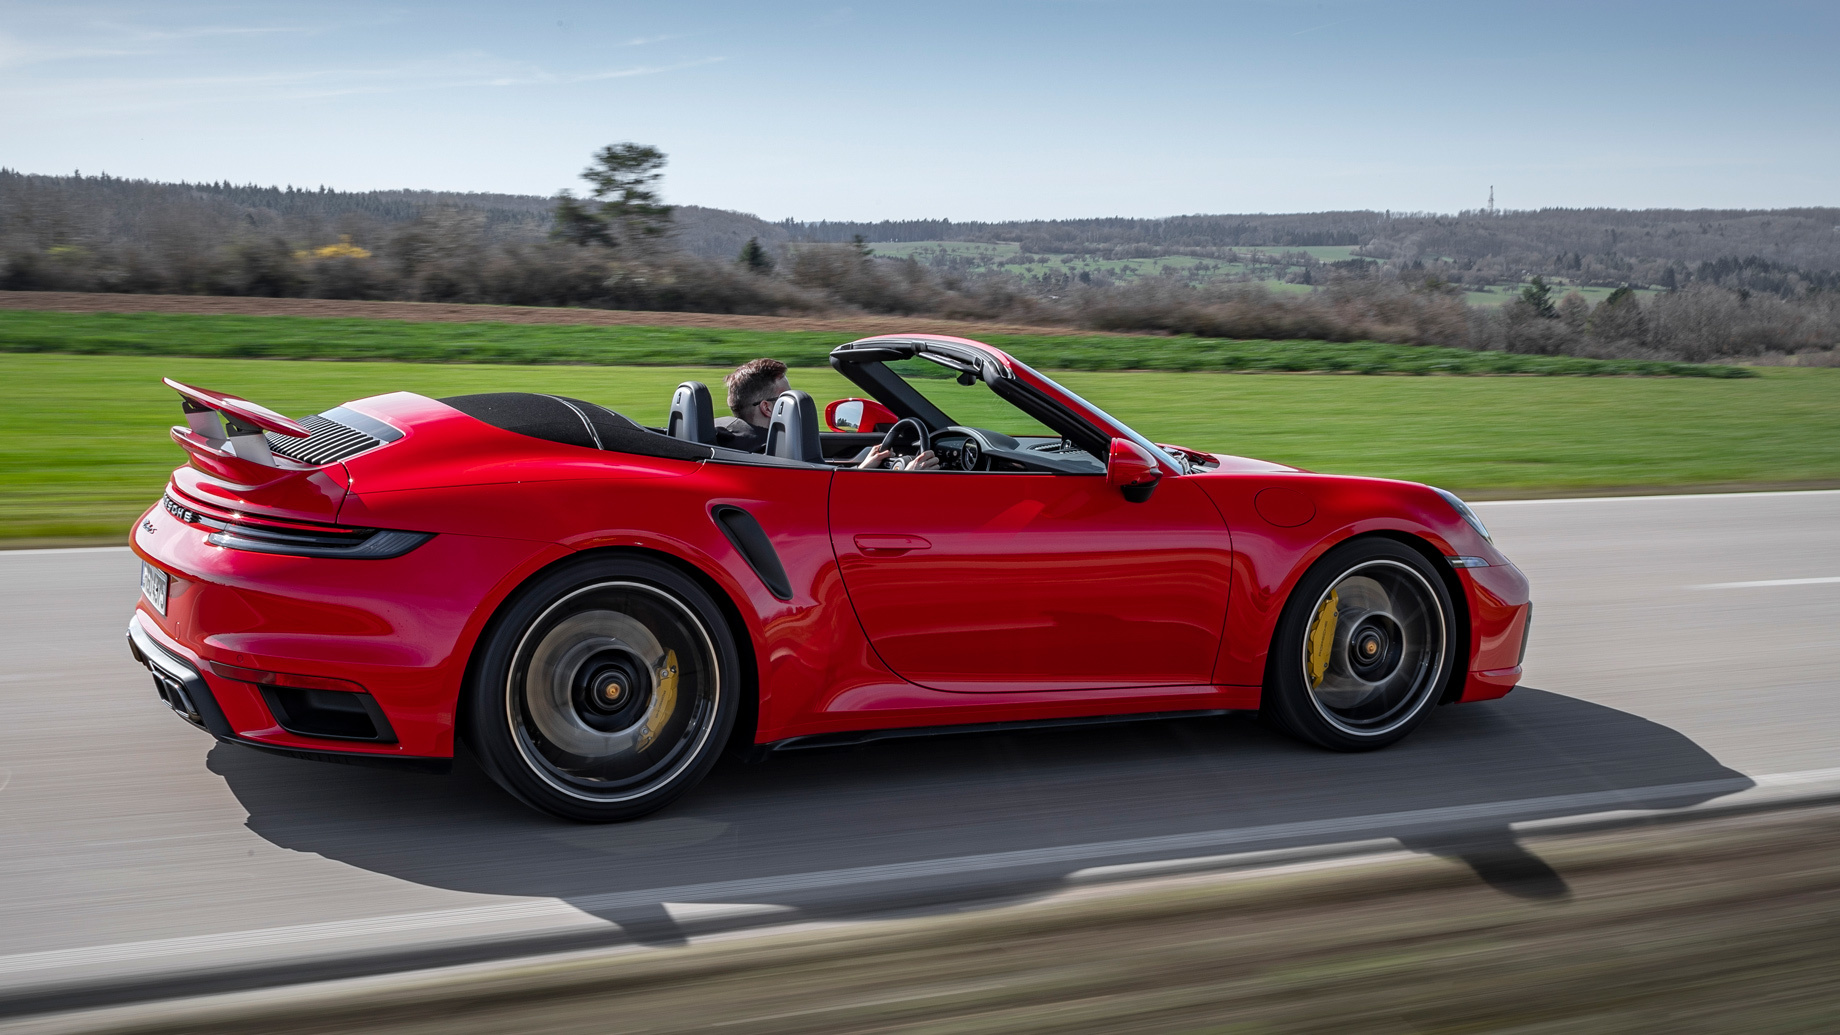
(792, 432)
(693, 416)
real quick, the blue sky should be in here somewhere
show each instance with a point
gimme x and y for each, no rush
(1058, 108)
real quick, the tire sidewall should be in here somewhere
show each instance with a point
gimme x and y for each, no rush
(1287, 699)
(486, 723)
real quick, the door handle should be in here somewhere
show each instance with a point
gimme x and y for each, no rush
(890, 544)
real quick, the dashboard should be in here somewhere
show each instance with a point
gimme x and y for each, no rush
(980, 449)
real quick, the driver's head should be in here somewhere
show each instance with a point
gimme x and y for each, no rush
(753, 387)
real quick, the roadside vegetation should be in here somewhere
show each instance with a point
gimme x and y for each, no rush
(294, 337)
(83, 450)
(1664, 285)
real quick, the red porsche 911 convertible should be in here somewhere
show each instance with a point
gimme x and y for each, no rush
(599, 608)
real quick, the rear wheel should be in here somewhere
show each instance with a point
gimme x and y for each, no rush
(1363, 649)
(604, 690)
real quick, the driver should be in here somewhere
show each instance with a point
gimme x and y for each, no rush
(752, 389)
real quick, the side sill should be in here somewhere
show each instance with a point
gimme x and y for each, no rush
(854, 737)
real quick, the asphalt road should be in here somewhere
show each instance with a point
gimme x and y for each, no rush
(1681, 646)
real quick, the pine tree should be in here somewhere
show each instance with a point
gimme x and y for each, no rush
(754, 257)
(622, 207)
(1538, 297)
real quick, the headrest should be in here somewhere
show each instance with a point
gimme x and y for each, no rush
(792, 432)
(692, 414)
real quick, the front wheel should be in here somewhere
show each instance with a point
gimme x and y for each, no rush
(604, 690)
(1364, 648)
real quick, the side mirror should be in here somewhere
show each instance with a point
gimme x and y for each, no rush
(1131, 471)
(859, 415)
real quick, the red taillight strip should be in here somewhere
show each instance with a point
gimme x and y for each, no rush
(264, 678)
(217, 512)
(298, 539)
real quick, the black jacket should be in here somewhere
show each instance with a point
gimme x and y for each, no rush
(735, 433)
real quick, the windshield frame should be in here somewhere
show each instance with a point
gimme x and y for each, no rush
(1179, 464)
(864, 362)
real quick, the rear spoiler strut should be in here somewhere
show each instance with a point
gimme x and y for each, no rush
(225, 434)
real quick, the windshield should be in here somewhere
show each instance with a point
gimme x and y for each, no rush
(940, 381)
(970, 406)
(1179, 462)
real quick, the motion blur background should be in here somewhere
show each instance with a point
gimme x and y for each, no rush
(1579, 258)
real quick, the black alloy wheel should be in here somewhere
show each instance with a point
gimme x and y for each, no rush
(1365, 647)
(604, 689)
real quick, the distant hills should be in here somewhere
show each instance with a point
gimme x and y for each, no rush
(1584, 246)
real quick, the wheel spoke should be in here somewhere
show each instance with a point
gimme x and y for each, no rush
(1385, 655)
(612, 691)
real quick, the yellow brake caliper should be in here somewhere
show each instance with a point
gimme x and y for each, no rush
(1321, 642)
(663, 702)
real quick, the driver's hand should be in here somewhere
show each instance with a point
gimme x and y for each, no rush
(924, 462)
(877, 458)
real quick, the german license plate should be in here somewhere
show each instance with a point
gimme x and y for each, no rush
(154, 583)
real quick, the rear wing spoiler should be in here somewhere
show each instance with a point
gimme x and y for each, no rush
(227, 435)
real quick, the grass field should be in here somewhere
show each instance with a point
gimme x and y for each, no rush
(83, 448)
(298, 337)
(1502, 293)
(1007, 258)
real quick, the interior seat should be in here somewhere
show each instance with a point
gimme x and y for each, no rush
(693, 416)
(792, 431)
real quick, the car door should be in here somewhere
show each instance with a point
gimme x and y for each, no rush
(988, 582)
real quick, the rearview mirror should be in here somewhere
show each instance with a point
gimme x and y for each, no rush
(1130, 470)
(859, 415)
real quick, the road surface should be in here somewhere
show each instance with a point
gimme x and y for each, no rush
(1681, 647)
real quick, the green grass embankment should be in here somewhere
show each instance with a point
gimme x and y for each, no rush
(297, 337)
(83, 446)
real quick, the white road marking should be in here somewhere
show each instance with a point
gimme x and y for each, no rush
(561, 915)
(1822, 581)
(1671, 496)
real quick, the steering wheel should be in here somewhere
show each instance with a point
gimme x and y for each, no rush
(971, 455)
(907, 439)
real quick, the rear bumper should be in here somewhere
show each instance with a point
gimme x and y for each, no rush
(180, 681)
(400, 629)
(177, 681)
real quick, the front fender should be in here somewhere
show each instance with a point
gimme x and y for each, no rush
(1273, 548)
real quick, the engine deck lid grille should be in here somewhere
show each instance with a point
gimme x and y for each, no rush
(335, 435)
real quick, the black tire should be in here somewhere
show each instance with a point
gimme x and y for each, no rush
(604, 689)
(1363, 673)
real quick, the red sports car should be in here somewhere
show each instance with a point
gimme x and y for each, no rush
(599, 607)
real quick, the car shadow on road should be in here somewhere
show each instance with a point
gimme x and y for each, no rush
(978, 794)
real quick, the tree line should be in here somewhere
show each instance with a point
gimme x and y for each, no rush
(619, 246)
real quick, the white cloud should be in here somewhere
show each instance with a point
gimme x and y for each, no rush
(97, 95)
